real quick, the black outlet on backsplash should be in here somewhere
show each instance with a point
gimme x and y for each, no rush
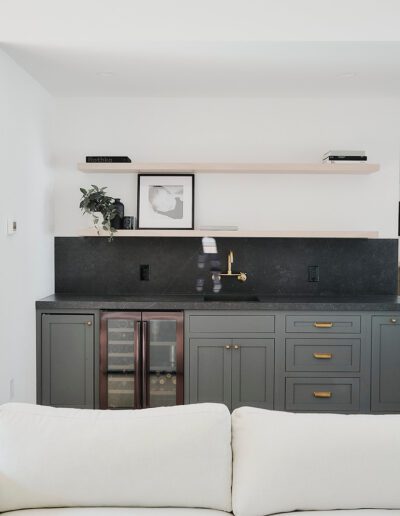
(274, 266)
(313, 273)
(145, 273)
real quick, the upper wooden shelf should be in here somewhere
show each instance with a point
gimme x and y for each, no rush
(245, 168)
(231, 234)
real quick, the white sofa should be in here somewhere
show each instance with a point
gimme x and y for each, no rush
(196, 460)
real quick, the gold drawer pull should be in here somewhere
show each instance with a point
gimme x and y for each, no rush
(323, 324)
(322, 394)
(236, 346)
(323, 356)
(227, 346)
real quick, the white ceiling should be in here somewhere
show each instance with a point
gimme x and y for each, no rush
(251, 48)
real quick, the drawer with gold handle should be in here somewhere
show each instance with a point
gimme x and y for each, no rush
(322, 394)
(323, 356)
(326, 324)
(323, 323)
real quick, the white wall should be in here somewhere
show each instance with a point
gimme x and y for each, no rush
(238, 129)
(26, 258)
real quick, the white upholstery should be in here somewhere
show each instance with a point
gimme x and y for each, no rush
(118, 511)
(123, 511)
(164, 457)
(354, 512)
(284, 462)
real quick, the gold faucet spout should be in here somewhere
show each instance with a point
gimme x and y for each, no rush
(241, 276)
(230, 261)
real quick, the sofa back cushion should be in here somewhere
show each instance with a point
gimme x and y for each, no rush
(285, 462)
(164, 457)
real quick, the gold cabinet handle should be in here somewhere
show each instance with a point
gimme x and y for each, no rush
(236, 346)
(89, 323)
(323, 356)
(393, 321)
(322, 394)
(227, 346)
(323, 324)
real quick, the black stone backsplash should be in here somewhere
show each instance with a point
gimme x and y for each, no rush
(274, 266)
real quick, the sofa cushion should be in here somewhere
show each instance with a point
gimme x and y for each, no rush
(118, 511)
(164, 457)
(284, 462)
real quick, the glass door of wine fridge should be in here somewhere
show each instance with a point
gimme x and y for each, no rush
(162, 345)
(120, 360)
(141, 359)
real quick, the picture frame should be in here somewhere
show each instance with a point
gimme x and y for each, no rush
(165, 201)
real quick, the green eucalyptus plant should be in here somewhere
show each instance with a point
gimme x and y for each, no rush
(94, 201)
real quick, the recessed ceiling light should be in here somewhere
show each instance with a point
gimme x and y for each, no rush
(105, 74)
(347, 75)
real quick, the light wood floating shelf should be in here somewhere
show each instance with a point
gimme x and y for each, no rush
(232, 234)
(245, 168)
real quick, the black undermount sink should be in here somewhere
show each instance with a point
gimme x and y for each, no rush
(232, 298)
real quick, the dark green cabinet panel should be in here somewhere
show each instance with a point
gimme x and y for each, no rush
(236, 372)
(231, 323)
(210, 371)
(68, 360)
(253, 373)
(323, 354)
(385, 364)
(323, 394)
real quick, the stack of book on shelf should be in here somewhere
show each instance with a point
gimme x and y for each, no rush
(344, 156)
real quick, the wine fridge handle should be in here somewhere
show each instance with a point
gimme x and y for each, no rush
(138, 365)
(145, 370)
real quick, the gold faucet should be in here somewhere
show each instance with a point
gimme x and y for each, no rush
(241, 276)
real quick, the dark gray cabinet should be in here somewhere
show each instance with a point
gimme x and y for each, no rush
(298, 361)
(67, 360)
(236, 371)
(386, 363)
(252, 373)
(230, 358)
(210, 373)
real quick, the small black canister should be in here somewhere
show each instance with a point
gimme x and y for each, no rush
(116, 222)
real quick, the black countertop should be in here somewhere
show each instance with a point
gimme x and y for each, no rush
(197, 302)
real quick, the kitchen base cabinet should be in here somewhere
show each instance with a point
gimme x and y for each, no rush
(386, 363)
(210, 371)
(344, 362)
(230, 358)
(67, 360)
(236, 372)
(252, 373)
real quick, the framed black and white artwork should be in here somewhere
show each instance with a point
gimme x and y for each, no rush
(165, 201)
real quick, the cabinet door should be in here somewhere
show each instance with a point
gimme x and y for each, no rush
(68, 360)
(120, 364)
(210, 370)
(386, 364)
(162, 348)
(253, 373)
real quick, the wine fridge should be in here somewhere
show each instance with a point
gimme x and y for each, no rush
(141, 359)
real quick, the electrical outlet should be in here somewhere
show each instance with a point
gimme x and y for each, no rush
(12, 389)
(313, 273)
(145, 272)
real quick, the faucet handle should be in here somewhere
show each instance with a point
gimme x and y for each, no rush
(242, 276)
(230, 256)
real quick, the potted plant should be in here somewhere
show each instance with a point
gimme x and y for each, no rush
(96, 203)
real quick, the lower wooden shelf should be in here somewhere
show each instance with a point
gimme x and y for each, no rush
(231, 234)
